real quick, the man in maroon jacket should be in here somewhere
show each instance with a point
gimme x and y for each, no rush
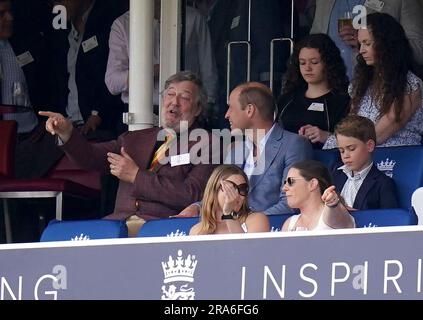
(149, 189)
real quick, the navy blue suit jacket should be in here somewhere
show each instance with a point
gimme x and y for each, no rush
(378, 191)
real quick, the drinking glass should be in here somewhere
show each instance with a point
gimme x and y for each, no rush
(19, 96)
(345, 20)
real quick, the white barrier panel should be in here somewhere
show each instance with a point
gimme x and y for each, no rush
(379, 263)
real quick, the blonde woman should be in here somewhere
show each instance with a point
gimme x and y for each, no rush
(225, 205)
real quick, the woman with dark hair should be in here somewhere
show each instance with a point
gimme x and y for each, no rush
(225, 205)
(314, 96)
(384, 89)
(308, 188)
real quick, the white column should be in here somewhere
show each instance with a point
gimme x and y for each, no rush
(170, 40)
(141, 65)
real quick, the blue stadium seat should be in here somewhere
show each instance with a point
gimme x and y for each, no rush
(405, 166)
(170, 227)
(328, 157)
(384, 218)
(84, 230)
(276, 221)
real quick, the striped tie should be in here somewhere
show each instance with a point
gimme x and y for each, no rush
(161, 151)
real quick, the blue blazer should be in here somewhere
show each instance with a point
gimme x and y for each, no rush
(378, 191)
(282, 149)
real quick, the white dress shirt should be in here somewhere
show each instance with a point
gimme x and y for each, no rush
(251, 162)
(117, 72)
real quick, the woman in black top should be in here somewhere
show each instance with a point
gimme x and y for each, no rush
(314, 97)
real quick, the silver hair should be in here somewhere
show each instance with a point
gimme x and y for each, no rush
(190, 76)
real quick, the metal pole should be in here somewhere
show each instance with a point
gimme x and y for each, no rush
(248, 44)
(229, 63)
(272, 56)
(170, 41)
(249, 21)
(292, 19)
(140, 114)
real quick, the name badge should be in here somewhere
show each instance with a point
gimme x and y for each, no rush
(316, 106)
(24, 59)
(180, 160)
(375, 5)
(235, 22)
(89, 44)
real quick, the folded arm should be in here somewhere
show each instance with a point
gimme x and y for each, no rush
(387, 126)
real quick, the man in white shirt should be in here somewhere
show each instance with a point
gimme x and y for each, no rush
(199, 57)
(117, 72)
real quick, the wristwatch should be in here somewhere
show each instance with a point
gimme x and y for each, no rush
(230, 216)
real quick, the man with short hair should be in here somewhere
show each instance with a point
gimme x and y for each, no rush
(148, 188)
(267, 152)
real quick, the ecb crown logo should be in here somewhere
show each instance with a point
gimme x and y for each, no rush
(387, 167)
(82, 237)
(178, 274)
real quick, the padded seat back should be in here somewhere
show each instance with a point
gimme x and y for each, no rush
(68, 170)
(384, 218)
(84, 230)
(328, 157)
(405, 166)
(170, 227)
(8, 133)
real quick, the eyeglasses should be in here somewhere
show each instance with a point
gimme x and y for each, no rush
(242, 188)
(290, 181)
